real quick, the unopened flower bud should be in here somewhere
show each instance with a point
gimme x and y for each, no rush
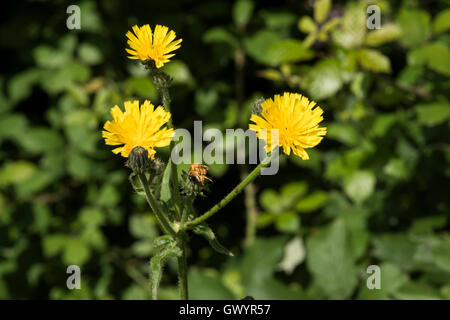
(138, 159)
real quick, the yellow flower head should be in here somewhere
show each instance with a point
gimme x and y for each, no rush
(155, 46)
(295, 118)
(137, 127)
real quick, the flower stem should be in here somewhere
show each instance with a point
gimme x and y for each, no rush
(164, 90)
(222, 203)
(182, 268)
(167, 227)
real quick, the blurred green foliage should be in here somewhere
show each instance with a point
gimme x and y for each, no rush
(375, 191)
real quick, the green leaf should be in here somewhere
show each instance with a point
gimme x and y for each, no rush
(220, 34)
(49, 57)
(141, 86)
(179, 72)
(90, 54)
(441, 254)
(396, 168)
(431, 114)
(53, 244)
(258, 45)
(306, 24)
(41, 139)
(442, 21)
(387, 33)
(280, 21)
(16, 172)
(269, 201)
(330, 261)
(289, 50)
(79, 166)
(208, 234)
(352, 30)
(136, 184)
(373, 60)
(360, 185)
(344, 133)
(142, 226)
(383, 123)
(207, 284)
(166, 192)
(242, 12)
(321, 10)
(156, 265)
(260, 260)
(76, 252)
(427, 224)
(312, 202)
(415, 25)
(438, 55)
(417, 291)
(396, 248)
(21, 84)
(324, 79)
(287, 222)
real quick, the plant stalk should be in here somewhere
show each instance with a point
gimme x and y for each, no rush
(182, 268)
(222, 203)
(174, 170)
(165, 223)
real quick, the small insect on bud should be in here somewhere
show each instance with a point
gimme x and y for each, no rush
(199, 171)
(138, 159)
(256, 107)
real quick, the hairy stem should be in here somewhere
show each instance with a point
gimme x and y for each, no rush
(174, 170)
(222, 203)
(182, 269)
(252, 210)
(165, 223)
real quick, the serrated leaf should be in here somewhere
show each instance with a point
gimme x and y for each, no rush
(136, 184)
(156, 264)
(163, 241)
(205, 231)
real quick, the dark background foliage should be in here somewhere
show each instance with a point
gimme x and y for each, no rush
(375, 191)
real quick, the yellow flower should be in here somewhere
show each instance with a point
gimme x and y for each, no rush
(137, 127)
(155, 46)
(295, 118)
